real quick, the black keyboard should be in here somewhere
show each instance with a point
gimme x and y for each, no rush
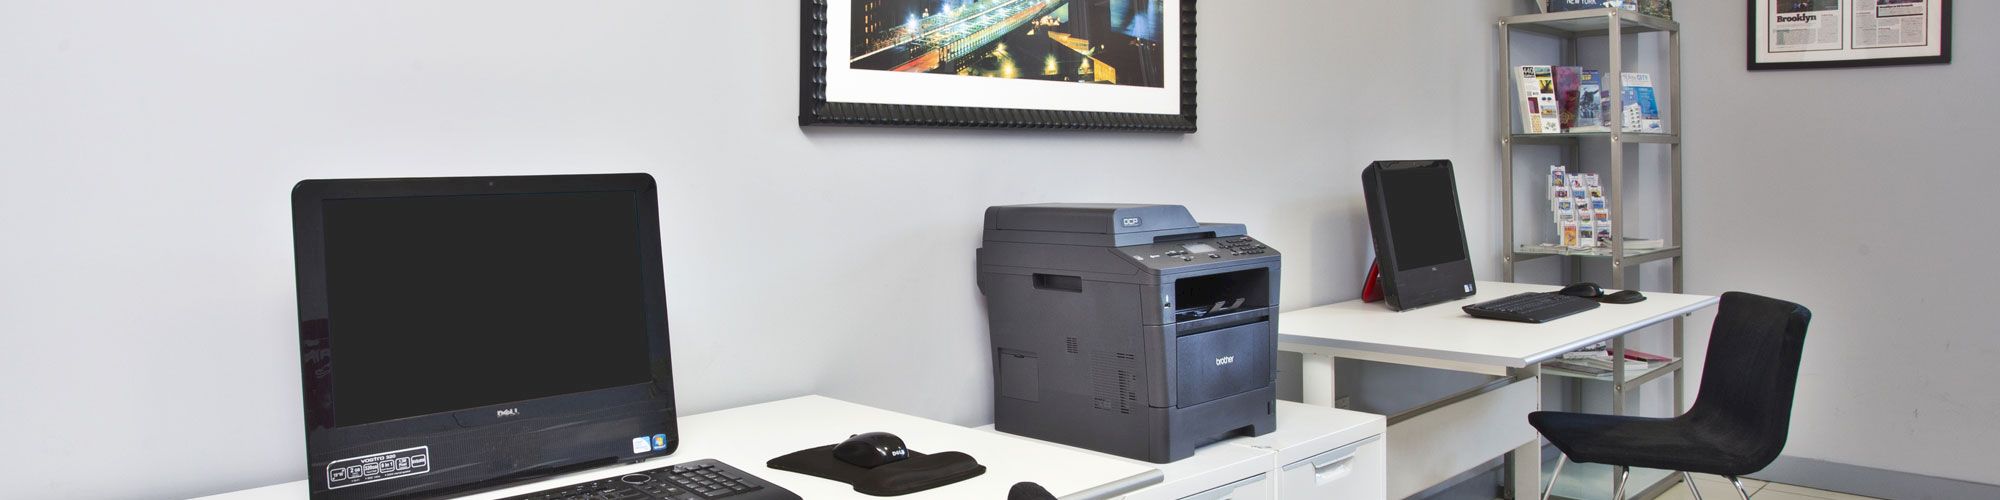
(697, 480)
(1531, 307)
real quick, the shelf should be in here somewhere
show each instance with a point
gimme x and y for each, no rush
(1632, 379)
(1581, 481)
(1632, 256)
(1592, 22)
(1627, 137)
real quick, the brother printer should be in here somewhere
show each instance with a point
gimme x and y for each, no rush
(1129, 329)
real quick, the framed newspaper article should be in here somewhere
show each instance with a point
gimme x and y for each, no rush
(1036, 64)
(1789, 34)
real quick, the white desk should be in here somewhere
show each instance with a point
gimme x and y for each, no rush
(748, 436)
(1440, 440)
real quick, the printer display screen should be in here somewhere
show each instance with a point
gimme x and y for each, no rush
(1198, 247)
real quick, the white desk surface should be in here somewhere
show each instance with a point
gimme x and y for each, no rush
(748, 436)
(1445, 332)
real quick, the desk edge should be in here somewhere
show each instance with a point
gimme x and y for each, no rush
(1489, 360)
(1122, 486)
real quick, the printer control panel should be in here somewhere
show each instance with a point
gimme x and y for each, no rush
(1191, 251)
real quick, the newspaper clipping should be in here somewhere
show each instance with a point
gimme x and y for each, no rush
(1890, 23)
(1802, 25)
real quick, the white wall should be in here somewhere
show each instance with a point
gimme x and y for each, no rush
(1866, 195)
(147, 150)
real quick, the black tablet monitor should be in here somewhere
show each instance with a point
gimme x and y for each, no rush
(1419, 238)
(459, 334)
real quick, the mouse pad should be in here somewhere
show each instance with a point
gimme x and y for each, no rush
(918, 473)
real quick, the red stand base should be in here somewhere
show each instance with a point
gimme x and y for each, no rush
(1371, 288)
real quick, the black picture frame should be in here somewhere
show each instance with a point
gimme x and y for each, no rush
(1754, 23)
(816, 110)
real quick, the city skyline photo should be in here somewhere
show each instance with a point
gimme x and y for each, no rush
(1106, 42)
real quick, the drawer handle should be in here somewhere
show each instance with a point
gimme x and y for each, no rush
(1333, 470)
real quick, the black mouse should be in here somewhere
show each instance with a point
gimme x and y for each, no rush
(1029, 491)
(871, 449)
(1585, 289)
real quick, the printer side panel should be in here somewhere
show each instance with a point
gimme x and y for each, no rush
(1070, 366)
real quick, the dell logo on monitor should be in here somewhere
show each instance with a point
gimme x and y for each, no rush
(510, 412)
(1225, 360)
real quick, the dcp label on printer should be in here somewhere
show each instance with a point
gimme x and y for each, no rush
(1129, 222)
(378, 467)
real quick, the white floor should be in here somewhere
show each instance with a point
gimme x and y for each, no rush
(1718, 488)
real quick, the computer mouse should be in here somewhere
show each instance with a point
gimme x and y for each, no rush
(1622, 297)
(1029, 491)
(871, 449)
(1585, 289)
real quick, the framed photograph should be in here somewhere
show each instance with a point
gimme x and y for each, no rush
(1792, 34)
(1052, 64)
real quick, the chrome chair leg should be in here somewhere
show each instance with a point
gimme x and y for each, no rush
(1688, 479)
(1618, 492)
(1739, 487)
(1560, 458)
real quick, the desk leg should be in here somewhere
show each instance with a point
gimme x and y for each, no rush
(1316, 379)
(1524, 471)
(1524, 464)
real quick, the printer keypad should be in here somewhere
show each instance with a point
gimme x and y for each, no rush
(1242, 246)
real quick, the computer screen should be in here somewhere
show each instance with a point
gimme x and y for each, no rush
(1422, 207)
(465, 333)
(1413, 215)
(441, 303)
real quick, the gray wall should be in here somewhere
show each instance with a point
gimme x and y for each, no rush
(147, 150)
(1866, 195)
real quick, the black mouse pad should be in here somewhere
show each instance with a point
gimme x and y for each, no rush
(918, 473)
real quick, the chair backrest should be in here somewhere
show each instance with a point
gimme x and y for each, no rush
(1751, 372)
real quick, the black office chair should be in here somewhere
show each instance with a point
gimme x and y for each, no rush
(1738, 422)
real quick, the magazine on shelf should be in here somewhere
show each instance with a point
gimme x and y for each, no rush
(1591, 115)
(1642, 111)
(1538, 104)
(1569, 5)
(1569, 87)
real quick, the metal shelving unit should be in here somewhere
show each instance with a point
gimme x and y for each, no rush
(1612, 26)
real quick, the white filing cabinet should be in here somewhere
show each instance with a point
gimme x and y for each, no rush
(1316, 453)
(1319, 452)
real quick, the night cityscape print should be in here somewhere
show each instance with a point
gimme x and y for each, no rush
(1113, 42)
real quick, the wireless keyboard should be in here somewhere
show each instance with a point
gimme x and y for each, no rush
(1531, 307)
(698, 480)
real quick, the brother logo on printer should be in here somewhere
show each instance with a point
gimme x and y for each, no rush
(1225, 360)
(1129, 222)
(510, 412)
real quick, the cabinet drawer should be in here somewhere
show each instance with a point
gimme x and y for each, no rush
(1356, 471)
(1254, 488)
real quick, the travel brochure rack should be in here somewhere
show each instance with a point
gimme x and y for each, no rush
(1611, 27)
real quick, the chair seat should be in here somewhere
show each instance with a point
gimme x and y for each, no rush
(1653, 443)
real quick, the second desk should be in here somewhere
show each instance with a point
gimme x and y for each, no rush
(1441, 439)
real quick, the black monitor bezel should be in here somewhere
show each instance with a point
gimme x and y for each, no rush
(613, 407)
(1406, 289)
